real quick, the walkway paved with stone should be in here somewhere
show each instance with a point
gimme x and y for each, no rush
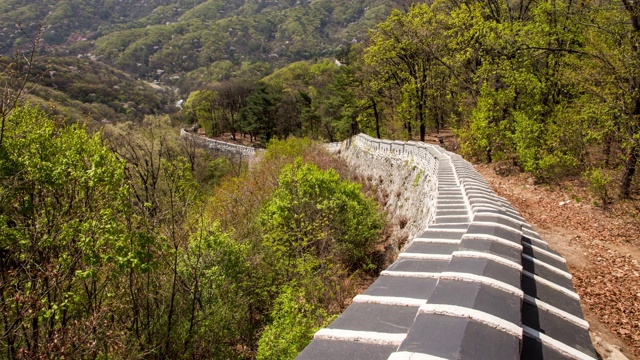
(478, 283)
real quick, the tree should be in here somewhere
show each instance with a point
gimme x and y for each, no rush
(370, 99)
(410, 52)
(16, 76)
(230, 99)
(200, 105)
(614, 82)
(514, 60)
(295, 320)
(316, 228)
(65, 240)
(260, 116)
(314, 213)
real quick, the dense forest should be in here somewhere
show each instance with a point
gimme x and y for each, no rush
(204, 40)
(553, 87)
(133, 244)
(81, 90)
(119, 239)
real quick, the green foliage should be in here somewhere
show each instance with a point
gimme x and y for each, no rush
(323, 97)
(411, 54)
(599, 185)
(291, 290)
(418, 177)
(214, 309)
(261, 116)
(314, 99)
(313, 212)
(68, 20)
(528, 105)
(289, 149)
(126, 256)
(66, 238)
(80, 89)
(186, 37)
(527, 140)
(110, 258)
(200, 107)
(482, 135)
(218, 169)
(315, 229)
(295, 320)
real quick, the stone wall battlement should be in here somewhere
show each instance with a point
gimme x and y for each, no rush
(217, 145)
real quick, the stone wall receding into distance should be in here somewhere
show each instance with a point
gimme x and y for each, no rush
(474, 281)
(217, 145)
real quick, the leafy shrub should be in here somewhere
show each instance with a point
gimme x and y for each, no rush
(555, 166)
(599, 184)
(416, 181)
(63, 230)
(314, 212)
(214, 313)
(286, 149)
(295, 320)
(218, 169)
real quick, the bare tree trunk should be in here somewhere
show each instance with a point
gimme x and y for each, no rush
(329, 133)
(423, 128)
(629, 171)
(233, 128)
(7, 327)
(377, 116)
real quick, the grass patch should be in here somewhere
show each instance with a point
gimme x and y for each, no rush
(416, 181)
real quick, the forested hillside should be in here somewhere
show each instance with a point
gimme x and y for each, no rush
(185, 45)
(71, 20)
(79, 90)
(210, 39)
(551, 87)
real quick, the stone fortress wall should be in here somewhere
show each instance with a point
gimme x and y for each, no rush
(476, 281)
(217, 145)
(405, 177)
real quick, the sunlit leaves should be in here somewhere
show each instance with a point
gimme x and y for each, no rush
(314, 212)
(411, 55)
(65, 213)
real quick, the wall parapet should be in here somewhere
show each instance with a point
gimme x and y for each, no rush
(218, 145)
(478, 282)
(408, 172)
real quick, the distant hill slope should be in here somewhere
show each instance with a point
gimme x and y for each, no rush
(66, 20)
(85, 90)
(163, 40)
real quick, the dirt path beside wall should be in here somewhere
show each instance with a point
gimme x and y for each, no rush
(602, 249)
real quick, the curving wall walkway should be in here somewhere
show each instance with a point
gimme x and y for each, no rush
(477, 283)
